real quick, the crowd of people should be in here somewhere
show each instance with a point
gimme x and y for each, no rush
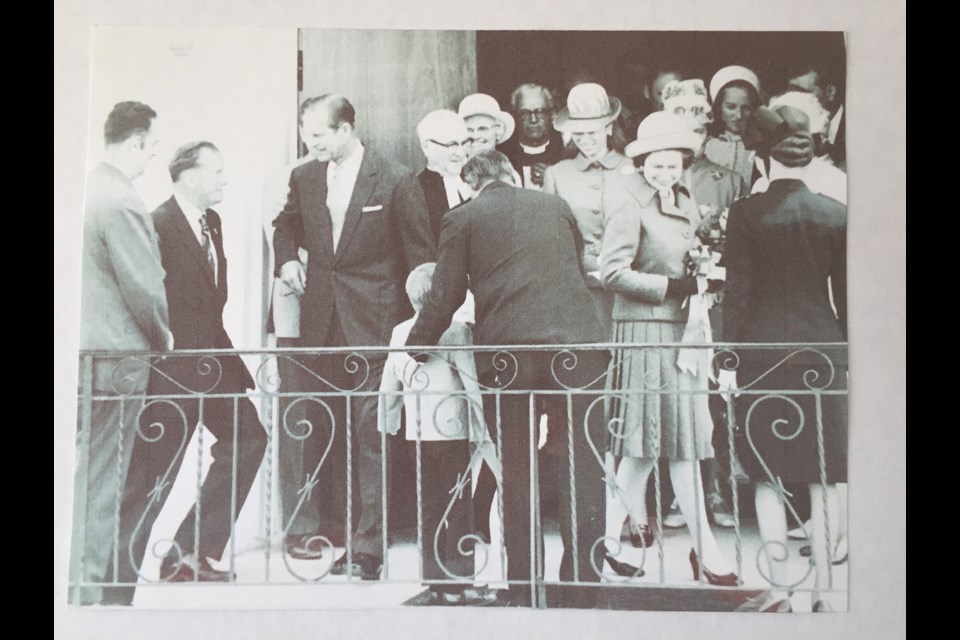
(718, 216)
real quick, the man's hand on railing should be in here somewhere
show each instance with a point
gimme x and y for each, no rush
(727, 381)
(294, 276)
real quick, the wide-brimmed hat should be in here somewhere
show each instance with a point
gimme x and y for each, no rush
(660, 131)
(480, 104)
(687, 98)
(588, 107)
(769, 126)
(730, 74)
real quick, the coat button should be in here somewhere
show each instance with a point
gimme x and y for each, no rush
(596, 185)
(686, 234)
(596, 212)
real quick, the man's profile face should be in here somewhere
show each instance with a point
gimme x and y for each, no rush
(810, 83)
(207, 178)
(446, 150)
(483, 131)
(144, 148)
(534, 114)
(323, 140)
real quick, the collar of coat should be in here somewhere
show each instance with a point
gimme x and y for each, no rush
(611, 160)
(645, 193)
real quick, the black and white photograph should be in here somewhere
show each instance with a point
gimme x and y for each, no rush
(458, 321)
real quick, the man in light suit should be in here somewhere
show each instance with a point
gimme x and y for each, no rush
(519, 250)
(191, 247)
(364, 224)
(123, 307)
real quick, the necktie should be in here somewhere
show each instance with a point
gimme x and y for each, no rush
(207, 247)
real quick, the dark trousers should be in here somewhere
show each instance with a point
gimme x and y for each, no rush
(447, 515)
(537, 371)
(313, 447)
(164, 431)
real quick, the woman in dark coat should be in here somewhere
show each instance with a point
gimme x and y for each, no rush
(786, 271)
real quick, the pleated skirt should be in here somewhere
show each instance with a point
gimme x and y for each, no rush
(652, 412)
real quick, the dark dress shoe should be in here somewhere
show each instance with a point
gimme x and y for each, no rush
(305, 546)
(622, 568)
(717, 580)
(367, 566)
(641, 536)
(171, 572)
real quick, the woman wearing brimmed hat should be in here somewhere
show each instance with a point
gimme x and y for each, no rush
(785, 259)
(735, 92)
(586, 181)
(643, 260)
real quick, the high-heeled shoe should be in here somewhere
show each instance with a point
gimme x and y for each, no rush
(641, 536)
(622, 568)
(725, 580)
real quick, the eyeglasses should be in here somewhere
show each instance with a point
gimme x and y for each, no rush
(535, 114)
(451, 145)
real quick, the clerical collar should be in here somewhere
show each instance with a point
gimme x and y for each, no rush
(535, 151)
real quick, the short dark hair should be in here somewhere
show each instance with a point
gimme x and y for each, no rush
(828, 72)
(485, 167)
(339, 108)
(187, 156)
(127, 119)
(639, 161)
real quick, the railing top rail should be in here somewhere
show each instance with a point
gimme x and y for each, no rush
(266, 351)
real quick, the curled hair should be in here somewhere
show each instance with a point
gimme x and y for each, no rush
(187, 157)
(419, 282)
(127, 119)
(486, 167)
(338, 107)
(517, 94)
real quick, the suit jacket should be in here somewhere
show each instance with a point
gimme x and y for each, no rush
(782, 246)
(519, 251)
(386, 233)
(195, 302)
(520, 158)
(123, 305)
(644, 244)
(435, 196)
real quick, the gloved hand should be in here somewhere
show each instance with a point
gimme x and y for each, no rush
(681, 287)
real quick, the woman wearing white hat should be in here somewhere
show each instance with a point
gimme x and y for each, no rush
(643, 260)
(735, 92)
(586, 181)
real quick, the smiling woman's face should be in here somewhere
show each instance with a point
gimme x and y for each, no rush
(735, 109)
(592, 143)
(662, 169)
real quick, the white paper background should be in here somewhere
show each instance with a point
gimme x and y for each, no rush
(876, 104)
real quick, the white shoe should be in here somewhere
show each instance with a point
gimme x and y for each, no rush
(673, 519)
(799, 533)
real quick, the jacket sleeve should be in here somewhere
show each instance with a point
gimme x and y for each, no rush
(449, 286)
(389, 403)
(739, 282)
(549, 181)
(412, 222)
(131, 242)
(618, 251)
(288, 228)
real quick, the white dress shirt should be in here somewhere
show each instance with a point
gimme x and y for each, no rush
(456, 190)
(193, 213)
(528, 170)
(835, 125)
(341, 178)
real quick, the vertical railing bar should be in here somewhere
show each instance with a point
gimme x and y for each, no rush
(196, 504)
(82, 488)
(499, 479)
(574, 541)
(119, 496)
(823, 488)
(349, 519)
(233, 490)
(419, 459)
(658, 500)
(384, 452)
(731, 423)
(533, 496)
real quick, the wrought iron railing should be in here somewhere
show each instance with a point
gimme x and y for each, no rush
(117, 380)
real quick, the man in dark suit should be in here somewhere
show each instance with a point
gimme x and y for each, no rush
(519, 251)
(191, 246)
(364, 224)
(122, 308)
(538, 144)
(826, 83)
